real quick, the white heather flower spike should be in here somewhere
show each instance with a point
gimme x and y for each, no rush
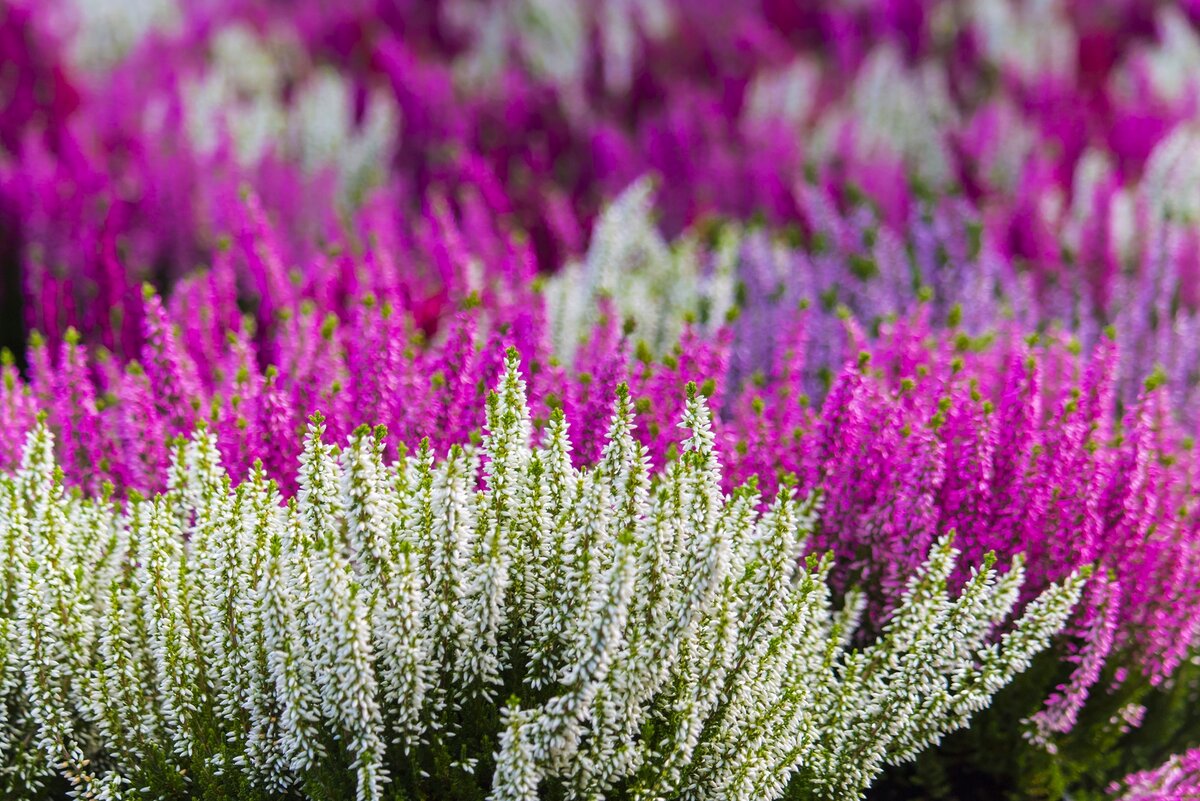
(338, 617)
(662, 288)
(281, 595)
(651, 637)
(168, 623)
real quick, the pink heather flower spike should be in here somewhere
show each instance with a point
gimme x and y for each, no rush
(1177, 779)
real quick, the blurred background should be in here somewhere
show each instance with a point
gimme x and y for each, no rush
(1061, 134)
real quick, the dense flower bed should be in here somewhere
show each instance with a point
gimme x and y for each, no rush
(929, 265)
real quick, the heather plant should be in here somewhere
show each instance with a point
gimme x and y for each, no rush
(758, 284)
(114, 418)
(760, 288)
(1019, 445)
(925, 437)
(400, 628)
(631, 272)
(1047, 476)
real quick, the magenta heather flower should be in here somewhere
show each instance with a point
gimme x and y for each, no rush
(172, 376)
(39, 91)
(1177, 779)
(601, 364)
(18, 412)
(114, 420)
(1015, 447)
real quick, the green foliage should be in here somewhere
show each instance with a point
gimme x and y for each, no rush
(991, 758)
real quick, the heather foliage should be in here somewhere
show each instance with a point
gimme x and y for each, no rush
(398, 629)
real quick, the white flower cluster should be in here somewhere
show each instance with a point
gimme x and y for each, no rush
(497, 620)
(557, 42)
(242, 93)
(657, 286)
(104, 31)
